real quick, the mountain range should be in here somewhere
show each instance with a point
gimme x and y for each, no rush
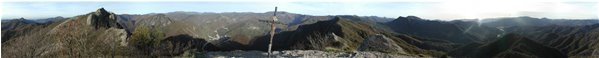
(102, 33)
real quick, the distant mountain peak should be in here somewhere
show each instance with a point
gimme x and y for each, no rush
(413, 17)
(21, 18)
(58, 17)
(162, 15)
(409, 17)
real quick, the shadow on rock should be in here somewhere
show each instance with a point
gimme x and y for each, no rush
(175, 45)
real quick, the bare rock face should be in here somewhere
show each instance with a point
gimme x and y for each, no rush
(102, 19)
(114, 35)
(380, 43)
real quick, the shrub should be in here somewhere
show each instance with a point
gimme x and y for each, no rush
(146, 37)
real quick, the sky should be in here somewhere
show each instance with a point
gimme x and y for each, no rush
(428, 9)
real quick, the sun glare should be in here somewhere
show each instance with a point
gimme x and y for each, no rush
(470, 9)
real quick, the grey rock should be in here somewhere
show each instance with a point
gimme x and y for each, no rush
(102, 19)
(380, 42)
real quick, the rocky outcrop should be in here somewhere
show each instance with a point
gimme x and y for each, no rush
(302, 54)
(114, 35)
(380, 43)
(102, 19)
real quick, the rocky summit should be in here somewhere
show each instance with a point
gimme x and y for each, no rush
(102, 19)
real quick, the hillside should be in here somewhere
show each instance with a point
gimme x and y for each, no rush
(508, 46)
(572, 40)
(340, 34)
(437, 35)
(93, 34)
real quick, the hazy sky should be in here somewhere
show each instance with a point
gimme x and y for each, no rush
(445, 10)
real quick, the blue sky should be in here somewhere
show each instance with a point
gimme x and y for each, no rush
(428, 10)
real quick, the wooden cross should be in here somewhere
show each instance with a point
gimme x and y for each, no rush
(272, 30)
